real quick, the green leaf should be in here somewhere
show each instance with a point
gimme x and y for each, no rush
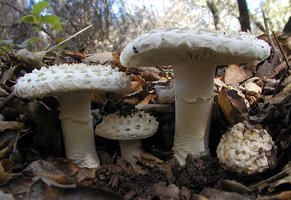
(31, 19)
(57, 27)
(38, 7)
(27, 19)
(29, 42)
(51, 19)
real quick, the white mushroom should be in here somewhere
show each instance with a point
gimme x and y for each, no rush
(73, 85)
(194, 56)
(128, 130)
(245, 150)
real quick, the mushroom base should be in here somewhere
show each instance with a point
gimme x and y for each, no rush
(195, 129)
(129, 149)
(77, 127)
(194, 98)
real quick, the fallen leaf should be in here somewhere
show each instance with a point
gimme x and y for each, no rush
(212, 193)
(286, 195)
(235, 74)
(233, 105)
(4, 125)
(5, 196)
(165, 94)
(60, 171)
(40, 189)
(99, 58)
(29, 60)
(5, 170)
(148, 98)
(282, 97)
(233, 186)
(163, 192)
(77, 55)
(150, 76)
(136, 87)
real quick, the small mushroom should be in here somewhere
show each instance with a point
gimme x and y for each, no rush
(128, 130)
(246, 151)
(194, 56)
(73, 85)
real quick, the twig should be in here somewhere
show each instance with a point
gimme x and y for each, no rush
(287, 68)
(268, 33)
(72, 36)
(272, 178)
(7, 100)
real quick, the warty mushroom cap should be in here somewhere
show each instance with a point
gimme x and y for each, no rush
(244, 150)
(136, 126)
(168, 47)
(68, 78)
(194, 55)
(73, 85)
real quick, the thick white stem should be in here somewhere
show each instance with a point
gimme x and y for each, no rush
(129, 149)
(194, 94)
(78, 133)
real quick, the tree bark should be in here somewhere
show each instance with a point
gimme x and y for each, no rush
(244, 17)
(215, 13)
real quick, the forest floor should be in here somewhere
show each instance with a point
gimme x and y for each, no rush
(33, 164)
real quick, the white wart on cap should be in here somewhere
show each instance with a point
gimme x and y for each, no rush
(194, 56)
(246, 151)
(73, 85)
(129, 130)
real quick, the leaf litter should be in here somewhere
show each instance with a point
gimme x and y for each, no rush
(32, 164)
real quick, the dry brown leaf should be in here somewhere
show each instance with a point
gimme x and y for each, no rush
(29, 59)
(278, 69)
(233, 186)
(136, 87)
(217, 194)
(282, 97)
(99, 58)
(5, 170)
(5, 196)
(77, 55)
(165, 94)
(150, 76)
(218, 82)
(235, 74)
(45, 189)
(162, 191)
(4, 125)
(60, 171)
(281, 196)
(116, 60)
(148, 98)
(233, 105)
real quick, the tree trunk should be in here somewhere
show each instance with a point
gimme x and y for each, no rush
(215, 13)
(244, 17)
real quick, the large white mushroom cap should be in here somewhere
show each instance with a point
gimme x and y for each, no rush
(244, 150)
(68, 78)
(136, 126)
(169, 47)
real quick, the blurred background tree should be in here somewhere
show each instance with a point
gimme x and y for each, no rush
(116, 22)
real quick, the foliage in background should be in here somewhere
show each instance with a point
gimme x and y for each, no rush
(38, 20)
(41, 22)
(115, 22)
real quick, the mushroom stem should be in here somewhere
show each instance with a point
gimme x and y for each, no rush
(78, 133)
(194, 94)
(129, 149)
